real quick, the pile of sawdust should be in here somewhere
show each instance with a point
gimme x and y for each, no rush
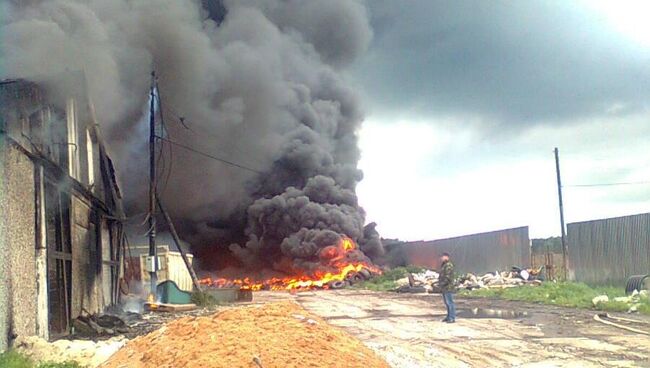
(276, 335)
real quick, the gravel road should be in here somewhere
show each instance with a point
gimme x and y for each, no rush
(407, 331)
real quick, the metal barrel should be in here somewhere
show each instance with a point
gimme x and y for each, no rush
(636, 282)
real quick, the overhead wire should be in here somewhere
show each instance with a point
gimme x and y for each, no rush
(208, 155)
(164, 131)
(165, 137)
(184, 123)
(606, 184)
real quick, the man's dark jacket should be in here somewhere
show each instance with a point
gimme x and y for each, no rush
(446, 279)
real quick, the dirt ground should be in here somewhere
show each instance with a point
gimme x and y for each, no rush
(406, 330)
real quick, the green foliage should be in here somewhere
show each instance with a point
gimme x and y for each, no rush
(386, 281)
(566, 294)
(203, 299)
(386, 285)
(69, 364)
(644, 305)
(13, 359)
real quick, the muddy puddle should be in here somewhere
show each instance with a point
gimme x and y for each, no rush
(491, 313)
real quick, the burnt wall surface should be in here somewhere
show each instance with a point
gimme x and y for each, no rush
(33, 135)
(17, 241)
(476, 253)
(4, 253)
(87, 285)
(610, 250)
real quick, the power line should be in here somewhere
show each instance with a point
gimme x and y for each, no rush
(208, 155)
(203, 133)
(164, 131)
(607, 184)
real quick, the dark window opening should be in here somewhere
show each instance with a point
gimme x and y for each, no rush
(59, 259)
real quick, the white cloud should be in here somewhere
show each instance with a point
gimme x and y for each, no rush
(430, 179)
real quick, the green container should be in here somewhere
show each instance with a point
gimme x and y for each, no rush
(224, 295)
(169, 293)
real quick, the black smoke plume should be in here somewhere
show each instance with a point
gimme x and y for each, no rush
(259, 83)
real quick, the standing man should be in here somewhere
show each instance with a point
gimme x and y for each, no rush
(446, 284)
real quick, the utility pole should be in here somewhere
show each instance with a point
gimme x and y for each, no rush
(559, 194)
(153, 253)
(177, 240)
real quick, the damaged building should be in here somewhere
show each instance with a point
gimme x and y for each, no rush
(61, 236)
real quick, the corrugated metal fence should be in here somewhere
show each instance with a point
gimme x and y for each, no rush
(477, 253)
(609, 250)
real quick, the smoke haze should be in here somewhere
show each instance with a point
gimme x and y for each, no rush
(258, 83)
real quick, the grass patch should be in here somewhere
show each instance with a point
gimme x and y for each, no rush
(565, 294)
(13, 359)
(644, 305)
(59, 365)
(386, 281)
(613, 306)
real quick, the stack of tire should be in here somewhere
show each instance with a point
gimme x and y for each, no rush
(350, 279)
(637, 283)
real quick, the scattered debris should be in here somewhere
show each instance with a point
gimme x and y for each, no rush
(92, 325)
(271, 333)
(151, 321)
(163, 307)
(505, 279)
(427, 281)
(599, 299)
(633, 300)
(418, 282)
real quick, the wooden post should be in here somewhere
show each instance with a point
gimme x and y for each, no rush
(559, 193)
(177, 240)
(152, 187)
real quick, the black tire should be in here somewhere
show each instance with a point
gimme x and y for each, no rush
(365, 273)
(336, 284)
(352, 278)
(357, 278)
(636, 282)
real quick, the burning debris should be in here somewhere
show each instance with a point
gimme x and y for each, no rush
(333, 267)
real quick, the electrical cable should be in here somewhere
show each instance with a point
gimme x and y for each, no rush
(606, 184)
(183, 122)
(165, 131)
(188, 148)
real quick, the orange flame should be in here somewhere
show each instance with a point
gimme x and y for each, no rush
(343, 270)
(348, 244)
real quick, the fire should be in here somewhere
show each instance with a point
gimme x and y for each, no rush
(151, 302)
(333, 255)
(348, 244)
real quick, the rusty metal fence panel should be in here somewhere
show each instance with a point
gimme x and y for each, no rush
(608, 251)
(477, 253)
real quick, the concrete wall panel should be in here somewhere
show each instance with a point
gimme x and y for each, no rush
(21, 234)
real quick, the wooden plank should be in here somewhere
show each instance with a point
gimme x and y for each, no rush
(162, 307)
(177, 240)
